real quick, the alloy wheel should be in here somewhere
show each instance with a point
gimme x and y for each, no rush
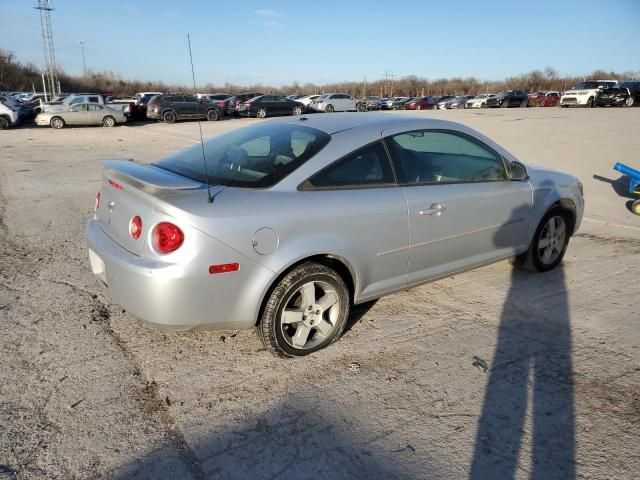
(310, 315)
(552, 239)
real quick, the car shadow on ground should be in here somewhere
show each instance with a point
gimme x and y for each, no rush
(300, 438)
(528, 409)
(357, 313)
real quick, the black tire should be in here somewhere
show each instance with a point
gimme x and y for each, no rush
(109, 121)
(524, 104)
(629, 101)
(4, 123)
(635, 207)
(591, 103)
(169, 117)
(270, 328)
(57, 122)
(297, 110)
(361, 107)
(329, 109)
(213, 115)
(505, 103)
(532, 260)
(261, 113)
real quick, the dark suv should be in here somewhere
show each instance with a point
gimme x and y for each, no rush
(175, 106)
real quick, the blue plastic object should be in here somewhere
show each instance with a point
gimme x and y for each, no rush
(634, 177)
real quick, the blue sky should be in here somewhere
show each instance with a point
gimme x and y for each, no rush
(280, 41)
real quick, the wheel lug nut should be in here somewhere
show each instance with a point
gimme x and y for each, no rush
(317, 312)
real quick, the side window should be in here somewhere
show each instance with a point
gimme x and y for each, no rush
(94, 100)
(368, 166)
(432, 157)
(190, 98)
(95, 107)
(78, 108)
(76, 100)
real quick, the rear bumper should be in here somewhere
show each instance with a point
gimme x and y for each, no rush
(179, 296)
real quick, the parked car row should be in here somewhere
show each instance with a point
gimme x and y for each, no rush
(102, 109)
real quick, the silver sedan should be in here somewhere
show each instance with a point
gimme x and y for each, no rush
(283, 225)
(82, 114)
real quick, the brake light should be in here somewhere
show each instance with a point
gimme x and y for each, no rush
(116, 185)
(167, 237)
(221, 104)
(97, 201)
(135, 227)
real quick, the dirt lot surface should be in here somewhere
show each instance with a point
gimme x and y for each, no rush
(493, 374)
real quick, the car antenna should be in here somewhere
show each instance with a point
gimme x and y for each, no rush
(204, 156)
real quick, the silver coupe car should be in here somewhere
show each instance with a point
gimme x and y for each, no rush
(283, 225)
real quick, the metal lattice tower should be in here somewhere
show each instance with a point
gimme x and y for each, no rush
(47, 39)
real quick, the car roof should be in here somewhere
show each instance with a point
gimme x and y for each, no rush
(332, 124)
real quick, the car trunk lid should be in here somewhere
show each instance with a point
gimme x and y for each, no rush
(129, 190)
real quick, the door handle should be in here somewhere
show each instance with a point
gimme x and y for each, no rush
(436, 209)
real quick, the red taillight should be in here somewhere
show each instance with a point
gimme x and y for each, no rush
(167, 237)
(116, 185)
(224, 268)
(221, 104)
(135, 227)
(97, 201)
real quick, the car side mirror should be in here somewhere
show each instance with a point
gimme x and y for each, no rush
(518, 172)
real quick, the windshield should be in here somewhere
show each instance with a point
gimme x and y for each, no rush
(254, 157)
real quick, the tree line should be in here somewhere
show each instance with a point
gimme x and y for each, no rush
(17, 76)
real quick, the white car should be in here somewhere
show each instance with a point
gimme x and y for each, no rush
(584, 93)
(307, 99)
(334, 102)
(9, 116)
(480, 101)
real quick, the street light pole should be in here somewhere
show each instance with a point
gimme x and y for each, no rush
(84, 63)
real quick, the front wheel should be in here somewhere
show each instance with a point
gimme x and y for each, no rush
(4, 123)
(307, 311)
(213, 115)
(591, 103)
(629, 101)
(57, 122)
(109, 121)
(418, 107)
(549, 242)
(261, 113)
(524, 104)
(297, 110)
(329, 109)
(635, 207)
(361, 107)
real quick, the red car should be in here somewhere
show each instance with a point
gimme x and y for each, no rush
(422, 103)
(544, 99)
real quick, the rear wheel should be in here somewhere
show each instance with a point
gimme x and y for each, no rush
(307, 310)
(549, 242)
(629, 101)
(56, 122)
(635, 207)
(109, 121)
(4, 123)
(213, 115)
(523, 104)
(361, 107)
(591, 103)
(169, 117)
(261, 113)
(418, 107)
(329, 109)
(297, 110)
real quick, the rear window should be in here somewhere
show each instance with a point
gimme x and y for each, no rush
(254, 157)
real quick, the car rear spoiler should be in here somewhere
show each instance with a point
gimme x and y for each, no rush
(150, 175)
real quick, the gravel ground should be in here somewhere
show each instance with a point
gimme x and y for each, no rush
(494, 374)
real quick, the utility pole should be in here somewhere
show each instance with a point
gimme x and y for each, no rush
(47, 40)
(84, 63)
